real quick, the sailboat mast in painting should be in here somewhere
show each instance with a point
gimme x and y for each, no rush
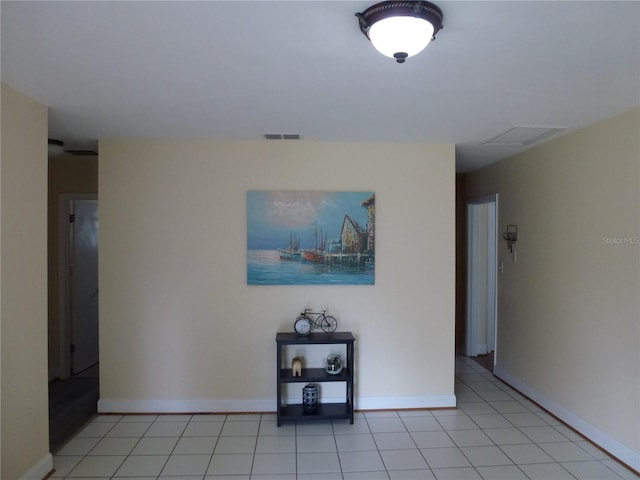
(293, 251)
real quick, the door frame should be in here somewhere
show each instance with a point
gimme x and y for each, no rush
(64, 285)
(472, 328)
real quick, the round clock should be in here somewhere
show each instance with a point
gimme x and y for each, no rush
(302, 326)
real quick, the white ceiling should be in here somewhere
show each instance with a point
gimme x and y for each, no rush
(240, 69)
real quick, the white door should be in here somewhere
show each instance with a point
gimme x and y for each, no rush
(481, 276)
(83, 281)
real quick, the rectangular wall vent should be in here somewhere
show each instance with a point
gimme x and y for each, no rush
(521, 136)
(282, 136)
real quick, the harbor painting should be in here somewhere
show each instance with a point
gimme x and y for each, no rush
(310, 238)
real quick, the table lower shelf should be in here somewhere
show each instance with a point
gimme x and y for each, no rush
(325, 411)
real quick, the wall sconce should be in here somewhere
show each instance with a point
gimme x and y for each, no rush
(511, 236)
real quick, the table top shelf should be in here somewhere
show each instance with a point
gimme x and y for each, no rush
(325, 411)
(314, 338)
(313, 375)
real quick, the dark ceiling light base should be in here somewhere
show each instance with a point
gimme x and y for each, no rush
(400, 57)
(400, 29)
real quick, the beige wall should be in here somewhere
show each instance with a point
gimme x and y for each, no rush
(67, 174)
(180, 329)
(568, 318)
(24, 410)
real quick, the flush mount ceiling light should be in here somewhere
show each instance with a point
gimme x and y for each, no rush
(400, 29)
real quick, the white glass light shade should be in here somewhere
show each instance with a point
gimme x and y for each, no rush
(409, 35)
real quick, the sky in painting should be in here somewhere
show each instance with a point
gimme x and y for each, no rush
(273, 217)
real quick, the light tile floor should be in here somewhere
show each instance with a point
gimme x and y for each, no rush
(494, 434)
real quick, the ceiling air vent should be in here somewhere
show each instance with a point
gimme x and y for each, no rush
(522, 136)
(282, 136)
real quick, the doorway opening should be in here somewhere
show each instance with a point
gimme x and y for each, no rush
(482, 291)
(74, 393)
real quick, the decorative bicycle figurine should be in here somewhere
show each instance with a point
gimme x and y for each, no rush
(306, 322)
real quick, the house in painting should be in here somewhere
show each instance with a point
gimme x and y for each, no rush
(352, 236)
(370, 205)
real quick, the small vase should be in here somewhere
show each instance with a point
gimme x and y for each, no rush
(310, 398)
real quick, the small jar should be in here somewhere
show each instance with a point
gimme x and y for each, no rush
(334, 364)
(310, 398)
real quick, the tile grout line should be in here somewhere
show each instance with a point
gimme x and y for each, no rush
(139, 440)
(335, 442)
(416, 445)
(180, 437)
(255, 446)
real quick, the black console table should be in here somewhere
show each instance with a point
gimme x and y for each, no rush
(326, 411)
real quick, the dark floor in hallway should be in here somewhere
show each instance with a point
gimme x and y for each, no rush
(72, 403)
(485, 360)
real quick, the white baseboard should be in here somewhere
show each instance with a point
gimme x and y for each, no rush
(184, 406)
(392, 403)
(597, 436)
(257, 405)
(40, 469)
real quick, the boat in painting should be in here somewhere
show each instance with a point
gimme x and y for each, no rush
(313, 256)
(293, 252)
(317, 255)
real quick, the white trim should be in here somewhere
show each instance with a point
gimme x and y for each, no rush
(392, 403)
(184, 406)
(472, 348)
(492, 276)
(594, 434)
(40, 469)
(257, 405)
